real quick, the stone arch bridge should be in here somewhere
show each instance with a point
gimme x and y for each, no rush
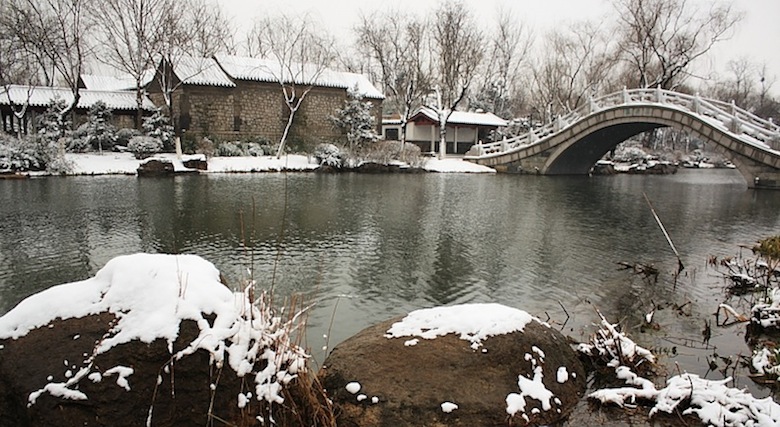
(573, 143)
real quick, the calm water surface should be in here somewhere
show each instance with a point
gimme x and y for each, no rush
(369, 247)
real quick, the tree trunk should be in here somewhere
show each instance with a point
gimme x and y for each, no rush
(285, 133)
(442, 137)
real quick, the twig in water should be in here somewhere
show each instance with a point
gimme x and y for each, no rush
(680, 265)
(567, 315)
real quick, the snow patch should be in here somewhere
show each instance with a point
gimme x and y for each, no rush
(455, 165)
(530, 388)
(448, 407)
(353, 387)
(122, 372)
(244, 399)
(562, 375)
(472, 322)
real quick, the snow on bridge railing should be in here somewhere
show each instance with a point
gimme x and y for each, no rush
(726, 116)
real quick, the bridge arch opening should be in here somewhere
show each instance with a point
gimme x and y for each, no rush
(578, 157)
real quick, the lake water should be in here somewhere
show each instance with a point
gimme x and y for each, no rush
(364, 248)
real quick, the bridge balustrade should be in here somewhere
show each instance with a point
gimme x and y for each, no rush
(725, 116)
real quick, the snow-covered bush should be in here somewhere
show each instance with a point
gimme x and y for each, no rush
(124, 135)
(254, 149)
(53, 124)
(101, 134)
(206, 147)
(144, 146)
(78, 142)
(386, 152)
(356, 121)
(328, 155)
(229, 149)
(158, 126)
(32, 153)
(629, 153)
(59, 165)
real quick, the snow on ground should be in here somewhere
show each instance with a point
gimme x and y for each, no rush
(455, 165)
(150, 294)
(126, 164)
(292, 162)
(108, 163)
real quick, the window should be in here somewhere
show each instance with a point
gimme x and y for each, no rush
(391, 134)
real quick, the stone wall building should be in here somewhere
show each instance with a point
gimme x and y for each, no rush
(20, 105)
(230, 98)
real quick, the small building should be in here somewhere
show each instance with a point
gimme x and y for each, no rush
(464, 129)
(232, 98)
(20, 105)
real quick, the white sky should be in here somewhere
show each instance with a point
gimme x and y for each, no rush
(756, 38)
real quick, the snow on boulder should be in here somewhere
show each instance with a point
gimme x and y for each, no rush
(161, 341)
(494, 361)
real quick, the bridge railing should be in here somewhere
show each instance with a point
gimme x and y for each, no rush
(726, 116)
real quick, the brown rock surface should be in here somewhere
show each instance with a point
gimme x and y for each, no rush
(411, 382)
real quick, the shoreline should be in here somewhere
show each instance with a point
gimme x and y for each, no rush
(127, 164)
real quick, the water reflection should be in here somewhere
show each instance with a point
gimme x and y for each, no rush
(368, 247)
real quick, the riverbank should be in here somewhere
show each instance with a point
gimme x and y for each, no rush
(127, 164)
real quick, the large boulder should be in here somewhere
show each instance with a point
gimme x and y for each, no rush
(156, 167)
(150, 340)
(465, 365)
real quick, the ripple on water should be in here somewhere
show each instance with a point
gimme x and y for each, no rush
(367, 248)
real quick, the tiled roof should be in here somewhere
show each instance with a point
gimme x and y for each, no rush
(464, 118)
(201, 71)
(111, 83)
(267, 70)
(41, 96)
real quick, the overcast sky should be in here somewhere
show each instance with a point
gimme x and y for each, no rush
(756, 37)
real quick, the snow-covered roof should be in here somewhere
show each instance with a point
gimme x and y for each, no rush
(201, 71)
(269, 70)
(122, 82)
(41, 96)
(463, 118)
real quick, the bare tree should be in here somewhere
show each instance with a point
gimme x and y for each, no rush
(25, 57)
(18, 65)
(456, 53)
(56, 33)
(747, 84)
(575, 66)
(192, 36)
(659, 39)
(298, 56)
(131, 36)
(395, 43)
(499, 90)
(207, 29)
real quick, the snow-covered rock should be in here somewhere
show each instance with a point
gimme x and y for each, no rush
(494, 362)
(161, 341)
